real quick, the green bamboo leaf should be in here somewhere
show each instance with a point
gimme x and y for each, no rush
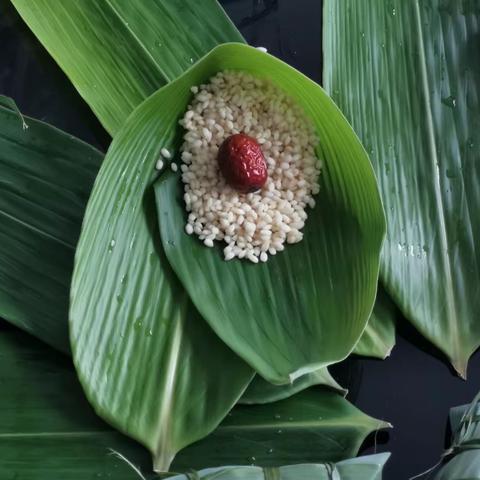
(362, 468)
(316, 425)
(378, 339)
(45, 181)
(47, 428)
(260, 391)
(128, 309)
(117, 53)
(333, 280)
(402, 73)
(464, 463)
(45, 416)
(464, 466)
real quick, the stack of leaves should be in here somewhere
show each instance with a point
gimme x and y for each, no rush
(160, 359)
(362, 468)
(465, 448)
(45, 416)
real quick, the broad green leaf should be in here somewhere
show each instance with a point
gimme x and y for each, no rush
(316, 425)
(319, 292)
(148, 363)
(48, 430)
(117, 52)
(378, 339)
(362, 468)
(402, 72)
(45, 180)
(260, 391)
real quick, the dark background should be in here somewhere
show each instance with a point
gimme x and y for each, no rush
(415, 387)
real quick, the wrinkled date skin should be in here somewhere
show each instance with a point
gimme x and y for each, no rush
(242, 163)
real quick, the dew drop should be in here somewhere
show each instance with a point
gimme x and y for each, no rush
(450, 101)
(149, 333)
(270, 451)
(111, 246)
(278, 416)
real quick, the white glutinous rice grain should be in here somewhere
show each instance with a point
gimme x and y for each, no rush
(166, 153)
(159, 164)
(174, 166)
(264, 221)
(262, 49)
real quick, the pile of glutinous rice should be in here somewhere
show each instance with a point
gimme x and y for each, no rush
(253, 225)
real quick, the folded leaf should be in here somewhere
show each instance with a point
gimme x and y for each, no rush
(402, 73)
(464, 466)
(260, 391)
(378, 339)
(362, 468)
(45, 179)
(117, 52)
(147, 361)
(320, 291)
(44, 415)
(465, 449)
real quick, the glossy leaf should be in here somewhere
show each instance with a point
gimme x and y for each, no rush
(320, 291)
(45, 179)
(144, 356)
(402, 72)
(44, 415)
(260, 391)
(316, 425)
(378, 339)
(362, 468)
(117, 52)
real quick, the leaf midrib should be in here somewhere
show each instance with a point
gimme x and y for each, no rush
(437, 187)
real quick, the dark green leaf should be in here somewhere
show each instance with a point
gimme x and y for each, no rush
(48, 430)
(45, 181)
(316, 425)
